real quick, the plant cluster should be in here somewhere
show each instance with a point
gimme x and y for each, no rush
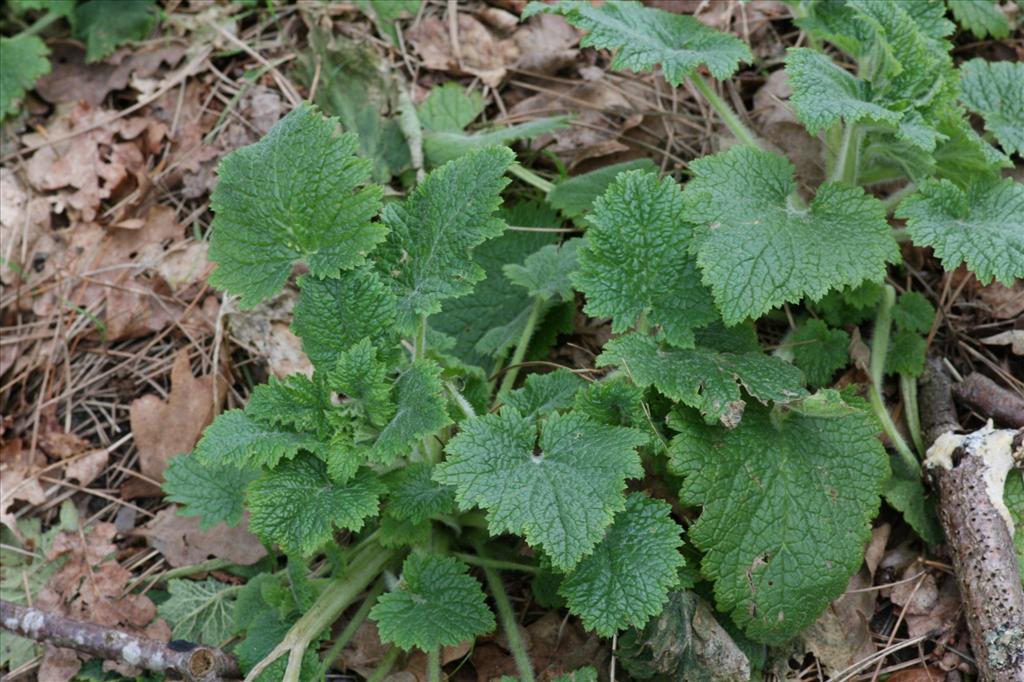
(412, 438)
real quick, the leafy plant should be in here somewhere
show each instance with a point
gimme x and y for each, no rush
(401, 442)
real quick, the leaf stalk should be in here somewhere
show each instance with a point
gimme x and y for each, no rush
(512, 372)
(508, 623)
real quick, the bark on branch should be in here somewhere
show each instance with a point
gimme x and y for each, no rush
(195, 664)
(991, 400)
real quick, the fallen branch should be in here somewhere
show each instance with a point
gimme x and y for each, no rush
(194, 663)
(991, 400)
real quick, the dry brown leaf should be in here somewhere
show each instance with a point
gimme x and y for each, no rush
(478, 53)
(1014, 338)
(25, 216)
(181, 542)
(842, 635)
(546, 44)
(17, 484)
(58, 665)
(918, 675)
(86, 468)
(779, 126)
(1003, 303)
(265, 331)
(941, 615)
(73, 80)
(165, 428)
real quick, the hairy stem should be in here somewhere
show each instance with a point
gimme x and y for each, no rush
(434, 665)
(508, 623)
(464, 405)
(512, 372)
(41, 23)
(847, 159)
(908, 390)
(531, 178)
(385, 665)
(725, 112)
(894, 199)
(350, 629)
(498, 564)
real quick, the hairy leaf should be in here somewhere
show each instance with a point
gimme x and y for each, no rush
(615, 401)
(23, 59)
(996, 91)
(980, 17)
(545, 393)
(236, 439)
(574, 196)
(361, 376)
(413, 495)
(295, 401)
(546, 274)
(216, 494)
(104, 25)
(199, 610)
(420, 411)
(819, 351)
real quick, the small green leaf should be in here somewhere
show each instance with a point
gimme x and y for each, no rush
(542, 394)
(450, 107)
(906, 494)
(294, 195)
(23, 59)
(980, 17)
(104, 25)
(420, 412)
(614, 401)
(913, 312)
(996, 91)
(546, 274)
(216, 494)
(295, 401)
(362, 377)
(442, 146)
(297, 505)
(199, 611)
(627, 578)
(1013, 496)
(413, 495)
(819, 351)
(436, 604)
(560, 493)
(906, 353)
(236, 439)
(574, 196)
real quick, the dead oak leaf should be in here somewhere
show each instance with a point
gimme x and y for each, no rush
(181, 542)
(477, 52)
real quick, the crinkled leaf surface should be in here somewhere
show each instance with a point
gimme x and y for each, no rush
(705, 378)
(644, 38)
(294, 195)
(545, 393)
(627, 578)
(297, 505)
(199, 610)
(982, 226)
(436, 604)
(616, 402)
(420, 411)
(758, 250)
(23, 59)
(236, 439)
(996, 91)
(981, 17)
(906, 353)
(296, 401)
(428, 254)
(913, 312)
(559, 493)
(215, 494)
(415, 496)
(787, 509)
(362, 377)
(546, 274)
(103, 25)
(635, 259)
(819, 351)
(574, 196)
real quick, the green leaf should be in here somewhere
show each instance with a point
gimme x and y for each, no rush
(905, 493)
(199, 611)
(263, 632)
(441, 146)
(23, 59)
(705, 378)
(450, 107)
(980, 17)
(758, 250)
(104, 25)
(332, 315)
(216, 494)
(787, 511)
(627, 578)
(436, 604)
(574, 196)
(906, 353)
(615, 401)
(297, 505)
(635, 261)
(996, 91)
(362, 376)
(421, 411)
(433, 232)
(824, 93)
(645, 38)
(561, 495)
(413, 495)
(236, 439)
(1013, 496)
(586, 674)
(546, 274)
(542, 394)
(295, 401)
(819, 351)
(293, 196)
(982, 226)
(913, 312)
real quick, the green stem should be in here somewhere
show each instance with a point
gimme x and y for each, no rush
(350, 629)
(848, 157)
(725, 112)
(434, 665)
(512, 372)
(385, 665)
(498, 564)
(879, 349)
(41, 23)
(184, 571)
(509, 623)
(531, 178)
(465, 406)
(420, 342)
(908, 389)
(894, 199)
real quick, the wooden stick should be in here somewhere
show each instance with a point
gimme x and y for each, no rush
(991, 400)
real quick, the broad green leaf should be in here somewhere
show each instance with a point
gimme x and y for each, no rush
(199, 610)
(546, 274)
(450, 107)
(616, 402)
(645, 38)
(545, 393)
(982, 226)
(995, 90)
(574, 196)
(819, 351)
(216, 494)
(436, 604)
(906, 353)
(560, 492)
(23, 59)
(980, 17)
(787, 510)
(758, 250)
(295, 401)
(420, 411)
(913, 312)
(295, 195)
(627, 578)
(1013, 496)
(236, 439)
(332, 315)
(298, 506)
(361, 376)
(634, 259)
(441, 146)
(104, 25)
(413, 495)
(905, 493)
(705, 378)
(433, 232)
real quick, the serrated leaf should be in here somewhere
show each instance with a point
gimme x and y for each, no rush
(297, 505)
(559, 493)
(849, 306)
(787, 510)
(295, 401)
(362, 376)
(545, 393)
(906, 353)
(645, 38)
(413, 495)
(199, 610)
(980, 17)
(634, 259)
(819, 351)
(627, 578)
(546, 273)
(982, 226)
(1013, 496)
(905, 493)
(704, 378)
(436, 604)
(216, 494)
(332, 315)
(442, 146)
(574, 196)
(995, 90)
(757, 250)
(23, 59)
(614, 401)
(104, 25)
(913, 312)
(450, 107)
(433, 232)
(295, 195)
(236, 439)
(420, 411)
(397, 533)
